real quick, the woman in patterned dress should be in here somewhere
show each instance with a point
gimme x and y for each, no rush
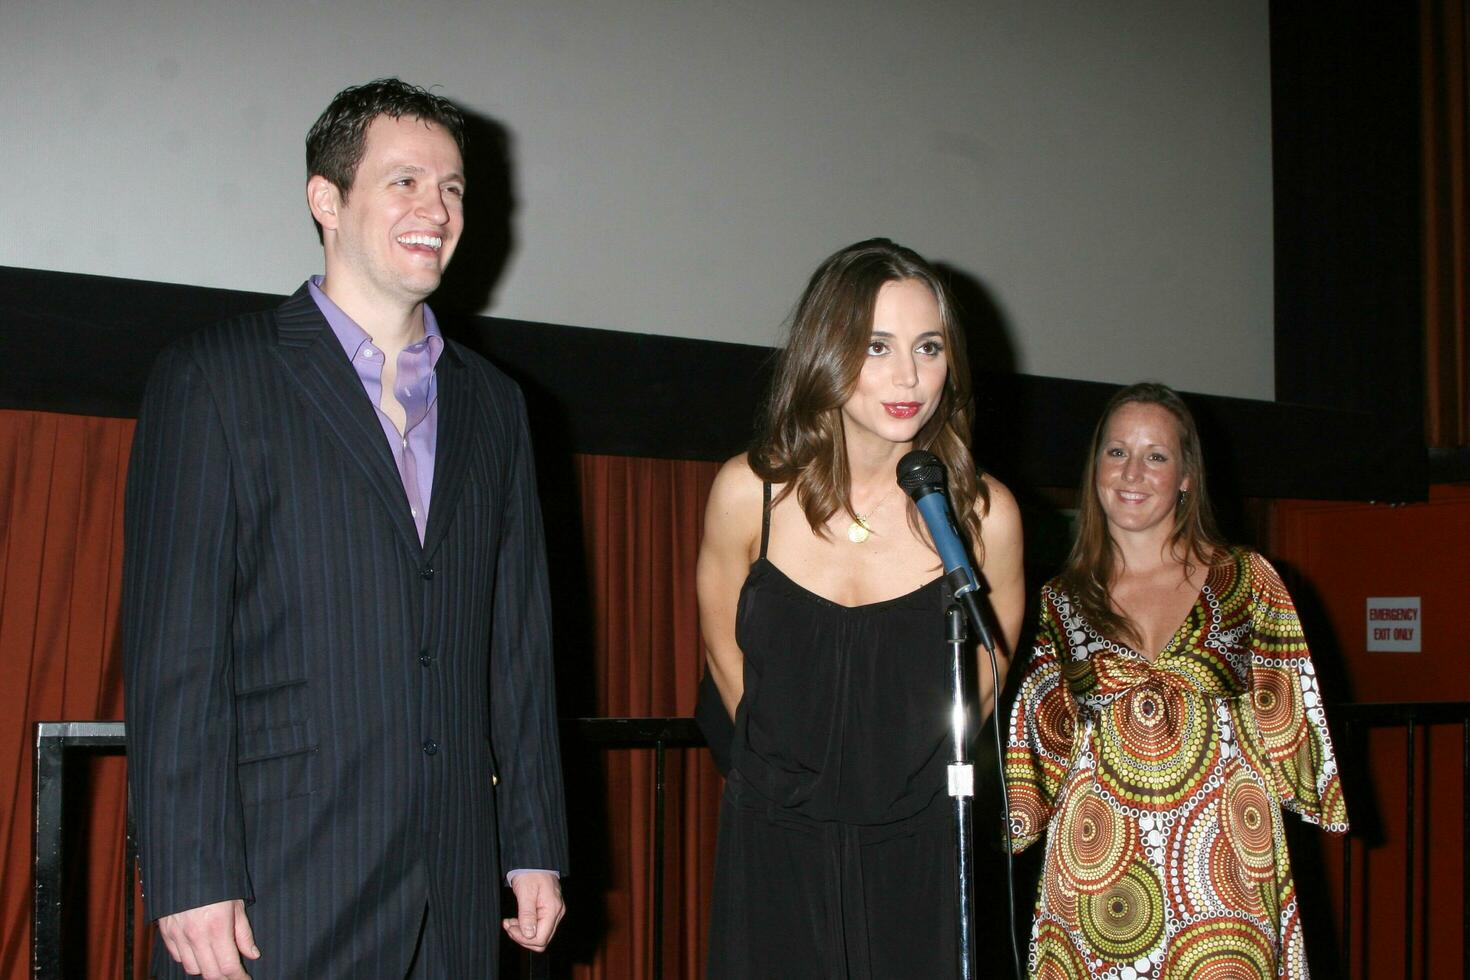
(1169, 712)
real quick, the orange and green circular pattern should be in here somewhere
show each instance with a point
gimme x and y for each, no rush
(1294, 947)
(1247, 823)
(1029, 810)
(1032, 781)
(1095, 844)
(1190, 859)
(1280, 714)
(1205, 872)
(1236, 890)
(1207, 669)
(1298, 773)
(1220, 949)
(1334, 807)
(1060, 899)
(1126, 919)
(1056, 719)
(1054, 957)
(1243, 718)
(1155, 746)
(1113, 674)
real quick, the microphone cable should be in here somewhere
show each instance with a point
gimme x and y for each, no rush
(1005, 809)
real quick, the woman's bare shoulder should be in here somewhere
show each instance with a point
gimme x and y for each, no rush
(736, 483)
(1002, 506)
(733, 515)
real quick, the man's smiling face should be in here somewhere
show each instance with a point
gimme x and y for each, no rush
(393, 233)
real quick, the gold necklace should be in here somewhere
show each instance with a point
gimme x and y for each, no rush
(860, 530)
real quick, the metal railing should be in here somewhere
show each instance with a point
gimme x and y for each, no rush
(55, 740)
(659, 734)
(1351, 723)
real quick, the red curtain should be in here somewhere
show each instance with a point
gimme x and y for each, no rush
(60, 550)
(60, 570)
(642, 520)
(1445, 87)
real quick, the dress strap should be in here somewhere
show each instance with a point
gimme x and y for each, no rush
(765, 516)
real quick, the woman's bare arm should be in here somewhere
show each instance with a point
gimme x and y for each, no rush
(1006, 585)
(731, 529)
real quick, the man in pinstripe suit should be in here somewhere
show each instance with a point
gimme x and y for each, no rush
(341, 721)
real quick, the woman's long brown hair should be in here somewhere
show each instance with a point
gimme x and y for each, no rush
(1090, 567)
(801, 444)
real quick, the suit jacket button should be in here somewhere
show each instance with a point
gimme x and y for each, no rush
(427, 572)
(425, 658)
(430, 746)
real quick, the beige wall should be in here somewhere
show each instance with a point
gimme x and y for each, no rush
(1102, 169)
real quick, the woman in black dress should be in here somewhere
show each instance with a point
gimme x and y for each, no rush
(822, 607)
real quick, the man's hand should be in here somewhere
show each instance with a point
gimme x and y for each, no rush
(538, 909)
(208, 941)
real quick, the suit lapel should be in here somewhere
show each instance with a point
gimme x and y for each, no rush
(328, 383)
(453, 445)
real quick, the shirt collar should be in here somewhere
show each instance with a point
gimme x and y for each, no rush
(352, 337)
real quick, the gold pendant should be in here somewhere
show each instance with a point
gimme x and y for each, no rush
(858, 531)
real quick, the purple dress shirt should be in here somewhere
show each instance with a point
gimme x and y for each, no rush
(413, 449)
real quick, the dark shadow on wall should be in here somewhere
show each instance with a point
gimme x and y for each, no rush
(990, 352)
(469, 286)
(1222, 479)
(1321, 918)
(987, 334)
(584, 766)
(1322, 638)
(490, 205)
(1008, 426)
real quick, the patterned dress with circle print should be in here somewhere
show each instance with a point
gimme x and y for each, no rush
(1159, 786)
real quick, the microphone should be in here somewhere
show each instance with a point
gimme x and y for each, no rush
(922, 477)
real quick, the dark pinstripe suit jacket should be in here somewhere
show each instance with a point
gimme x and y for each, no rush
(315, 702)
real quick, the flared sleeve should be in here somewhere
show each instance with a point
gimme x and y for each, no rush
(1284, 724)
(1043, 727)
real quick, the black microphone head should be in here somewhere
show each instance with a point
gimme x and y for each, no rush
(920, 473)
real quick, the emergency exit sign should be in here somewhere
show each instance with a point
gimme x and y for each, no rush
(1393, 624)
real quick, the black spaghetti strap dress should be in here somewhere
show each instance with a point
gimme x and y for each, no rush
(836, 853)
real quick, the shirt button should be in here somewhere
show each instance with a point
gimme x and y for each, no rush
(427, 572)
(430, 746)
(425, 659)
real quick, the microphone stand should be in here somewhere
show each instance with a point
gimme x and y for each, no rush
(921, 475)
(961, 786)
(964, 609)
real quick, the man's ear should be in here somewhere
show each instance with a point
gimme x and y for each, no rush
(324, 199)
